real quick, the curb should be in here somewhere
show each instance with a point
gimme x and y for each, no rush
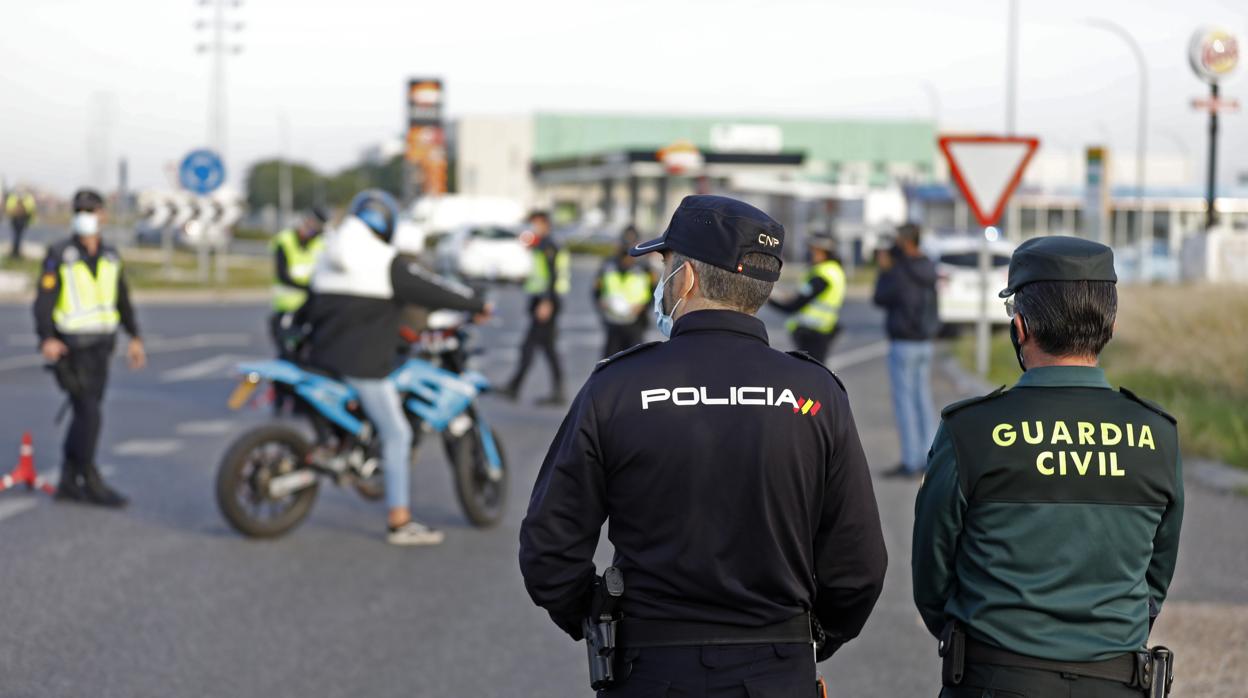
(1213, 475)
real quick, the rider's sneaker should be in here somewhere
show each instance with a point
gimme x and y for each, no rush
(414, 533)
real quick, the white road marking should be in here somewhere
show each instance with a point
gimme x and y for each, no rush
(861, 355)
(13, 507)
(199, 341)
(206, 427)
(219, 366)
(147, 447)
(154, 345)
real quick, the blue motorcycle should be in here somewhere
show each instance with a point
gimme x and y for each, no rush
(270, 475)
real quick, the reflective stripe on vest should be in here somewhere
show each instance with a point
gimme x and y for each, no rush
(300, 261)
(539, 277)
(88, 304)
(822, 312)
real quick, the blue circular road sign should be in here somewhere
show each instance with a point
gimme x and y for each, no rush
(201, 172)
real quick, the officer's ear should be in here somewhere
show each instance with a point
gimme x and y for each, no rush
(1020, 327)
(691, 279)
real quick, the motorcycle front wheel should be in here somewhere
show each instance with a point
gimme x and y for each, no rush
(249, 465)
(483, 497)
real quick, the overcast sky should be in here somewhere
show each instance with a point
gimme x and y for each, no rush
(76, 74)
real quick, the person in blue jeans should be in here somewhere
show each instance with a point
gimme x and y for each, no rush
(359, 288)
(906, 290)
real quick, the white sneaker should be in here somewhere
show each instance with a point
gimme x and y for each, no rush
(414, 533)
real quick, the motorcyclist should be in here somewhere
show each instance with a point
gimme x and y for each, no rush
(359, 288)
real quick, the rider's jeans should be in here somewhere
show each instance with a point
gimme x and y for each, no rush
(384, 408)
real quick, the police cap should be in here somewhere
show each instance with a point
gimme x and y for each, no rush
(1059, 258)
(720, 231)
(87, 200)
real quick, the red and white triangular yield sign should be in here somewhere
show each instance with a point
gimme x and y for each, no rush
(988, 169)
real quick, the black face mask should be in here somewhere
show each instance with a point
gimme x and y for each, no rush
(1018, 347)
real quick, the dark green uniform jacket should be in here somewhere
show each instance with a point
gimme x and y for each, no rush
(1049, 518)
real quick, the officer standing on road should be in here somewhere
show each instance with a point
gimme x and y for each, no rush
(19, 206)
(295, 251)
(82, 300)
(740, 502)
(621, 292)
(1047, 529)
(816, 309)
(549, 280)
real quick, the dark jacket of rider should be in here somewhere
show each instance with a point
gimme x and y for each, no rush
(359, 288)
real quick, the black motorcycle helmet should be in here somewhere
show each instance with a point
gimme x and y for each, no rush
(378, 210)
(87, 200)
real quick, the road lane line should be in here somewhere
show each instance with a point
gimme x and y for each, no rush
(206, 427)
(212, 367)
(147, 447)
(13, 507)
(860, 355)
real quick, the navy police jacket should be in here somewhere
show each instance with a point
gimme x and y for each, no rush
(733, 479)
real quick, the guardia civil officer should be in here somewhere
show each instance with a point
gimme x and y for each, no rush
(621, 291)
(816, 309)
(1046, 531)
(82, 300)
(739, 499)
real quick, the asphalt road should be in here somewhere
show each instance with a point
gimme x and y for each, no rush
(163, 599)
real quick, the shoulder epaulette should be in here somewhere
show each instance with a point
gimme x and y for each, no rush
(950, 409)
(805, 356)
(1149, 404)
(619, 355)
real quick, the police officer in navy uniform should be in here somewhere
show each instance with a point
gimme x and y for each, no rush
(82, 300)
(738, 494)
(1047, 528)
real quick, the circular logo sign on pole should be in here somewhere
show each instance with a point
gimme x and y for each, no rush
(1213, 53)
(201, 172)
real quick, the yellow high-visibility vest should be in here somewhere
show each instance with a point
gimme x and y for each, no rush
(627, 287)
(300, 261)
(88, 303)
(823, 311)
(539, 275)
(26, 202)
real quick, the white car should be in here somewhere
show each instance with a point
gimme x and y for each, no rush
(959, 288)
(489, 252)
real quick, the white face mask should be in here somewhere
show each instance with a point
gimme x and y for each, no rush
(86, 223)
(664, 321)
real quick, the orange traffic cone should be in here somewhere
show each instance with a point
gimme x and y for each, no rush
(24, 473)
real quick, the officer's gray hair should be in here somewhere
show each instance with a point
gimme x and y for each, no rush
(1069, 318)
(737, 291)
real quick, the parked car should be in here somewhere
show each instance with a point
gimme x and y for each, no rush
(484, 252)
(959, 286)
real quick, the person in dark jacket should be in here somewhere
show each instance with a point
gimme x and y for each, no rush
(906, 290)
(740, 502)
(359, 288)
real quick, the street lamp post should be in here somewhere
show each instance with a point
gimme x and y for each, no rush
(1141, 135)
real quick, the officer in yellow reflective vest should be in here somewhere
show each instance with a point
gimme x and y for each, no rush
(622, 290)
(295, 251)
(81, 302)
(816, 310)
(19, 206)
(549, 280)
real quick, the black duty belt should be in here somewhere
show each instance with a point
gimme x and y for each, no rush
(1121, 668)
(638, 632)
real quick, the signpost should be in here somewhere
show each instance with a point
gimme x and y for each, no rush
(987, 170)
(201, 172)
(1213, 54)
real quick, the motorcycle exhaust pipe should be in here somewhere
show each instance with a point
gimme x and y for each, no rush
(290, 483)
